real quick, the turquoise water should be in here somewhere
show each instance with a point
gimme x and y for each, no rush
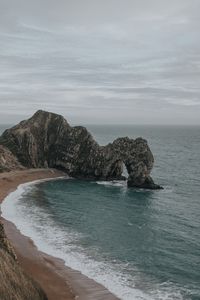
(140, 244)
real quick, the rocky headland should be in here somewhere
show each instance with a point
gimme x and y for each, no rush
(46, 140)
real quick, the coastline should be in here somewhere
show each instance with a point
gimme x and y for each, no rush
(57, 280)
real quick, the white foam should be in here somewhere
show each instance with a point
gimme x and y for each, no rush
(36, 223)
(120, 183)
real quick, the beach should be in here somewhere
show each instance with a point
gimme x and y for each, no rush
(58, 281)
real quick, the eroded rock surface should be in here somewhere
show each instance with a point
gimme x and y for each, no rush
(47, 140)
(8, 161)
(14, 283)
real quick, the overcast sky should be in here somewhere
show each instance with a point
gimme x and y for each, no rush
(108, 61)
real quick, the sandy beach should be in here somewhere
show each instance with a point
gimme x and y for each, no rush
(58, 281)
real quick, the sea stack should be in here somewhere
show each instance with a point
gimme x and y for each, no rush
(46, 140)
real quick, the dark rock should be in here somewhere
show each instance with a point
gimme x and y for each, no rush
(47, 140)
(147, 184)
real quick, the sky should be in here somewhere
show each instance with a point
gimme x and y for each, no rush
(101, 62)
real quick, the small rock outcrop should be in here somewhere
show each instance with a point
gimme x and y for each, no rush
(47, 140)
(8, 161)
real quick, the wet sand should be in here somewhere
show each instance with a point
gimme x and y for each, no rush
(58, 281)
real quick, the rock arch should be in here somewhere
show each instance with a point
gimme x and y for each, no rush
(47, 140)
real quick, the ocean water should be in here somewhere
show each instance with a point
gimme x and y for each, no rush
(140, 244)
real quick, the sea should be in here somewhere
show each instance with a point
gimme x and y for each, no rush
(140, 244)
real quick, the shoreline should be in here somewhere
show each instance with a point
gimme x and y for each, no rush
(56, 279)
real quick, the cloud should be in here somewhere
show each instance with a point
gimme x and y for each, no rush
(98, 60)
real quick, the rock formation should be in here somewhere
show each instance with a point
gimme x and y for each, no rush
(14, 283)
(47, 140)
(8, 161)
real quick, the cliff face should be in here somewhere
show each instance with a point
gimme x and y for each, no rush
(8, 161)
(47, 140)
(14, 283)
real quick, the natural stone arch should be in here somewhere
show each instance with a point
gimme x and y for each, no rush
(47, 140)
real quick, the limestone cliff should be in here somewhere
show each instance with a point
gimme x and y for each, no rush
(8, 161)
(14, 283)
(47, 140)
